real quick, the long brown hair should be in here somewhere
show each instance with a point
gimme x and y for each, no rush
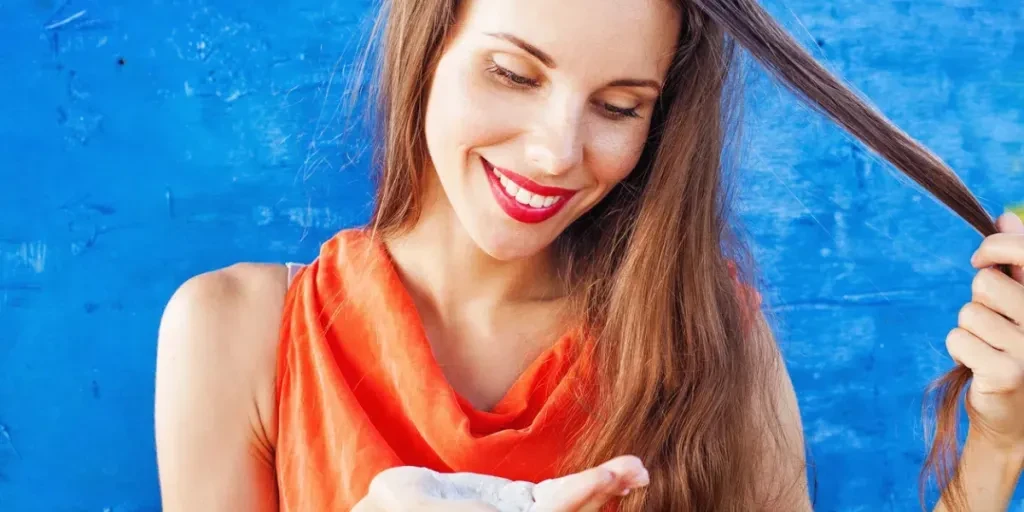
(679, 365)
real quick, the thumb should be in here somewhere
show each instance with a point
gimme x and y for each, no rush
(589, 490)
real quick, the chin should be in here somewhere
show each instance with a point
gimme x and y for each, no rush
(508, 245)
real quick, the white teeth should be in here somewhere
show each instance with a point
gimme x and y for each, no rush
(522, 195)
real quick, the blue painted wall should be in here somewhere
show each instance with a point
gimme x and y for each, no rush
(144, 142)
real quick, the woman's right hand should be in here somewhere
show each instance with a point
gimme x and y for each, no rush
(418, 489)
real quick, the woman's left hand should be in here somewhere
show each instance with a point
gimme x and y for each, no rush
(990, 338)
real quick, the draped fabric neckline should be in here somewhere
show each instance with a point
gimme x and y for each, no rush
(359, 389)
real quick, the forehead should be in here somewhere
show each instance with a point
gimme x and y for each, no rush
(613, 36)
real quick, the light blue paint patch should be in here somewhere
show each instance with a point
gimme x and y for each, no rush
(145, 142)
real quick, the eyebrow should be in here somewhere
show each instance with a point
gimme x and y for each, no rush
(634, 82)
(527, 47)
(546, 59)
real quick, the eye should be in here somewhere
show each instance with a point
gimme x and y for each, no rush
(512, 79)
(619, 112)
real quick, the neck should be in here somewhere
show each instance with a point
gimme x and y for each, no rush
(447, 270)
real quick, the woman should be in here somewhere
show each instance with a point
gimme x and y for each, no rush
(549, 291)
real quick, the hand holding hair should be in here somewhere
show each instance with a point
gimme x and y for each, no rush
(990, 338)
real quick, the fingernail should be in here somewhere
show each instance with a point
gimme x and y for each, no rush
(625, 491)
(642, 479)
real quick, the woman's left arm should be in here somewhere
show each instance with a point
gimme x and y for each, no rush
(989, 474)
(990, 341)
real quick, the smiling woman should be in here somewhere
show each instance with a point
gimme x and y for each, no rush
(543, 108)
(548, 310)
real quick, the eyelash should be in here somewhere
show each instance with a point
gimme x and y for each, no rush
(521, 82)
(511, 78)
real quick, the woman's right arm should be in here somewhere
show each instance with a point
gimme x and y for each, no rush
(215, 421)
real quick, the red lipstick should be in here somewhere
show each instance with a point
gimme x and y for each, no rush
(517, 210)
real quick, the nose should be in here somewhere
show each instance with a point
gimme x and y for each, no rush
(556, 144)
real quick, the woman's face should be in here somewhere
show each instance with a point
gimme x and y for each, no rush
(539, 107)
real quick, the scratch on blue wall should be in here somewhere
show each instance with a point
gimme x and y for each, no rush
(144, 142)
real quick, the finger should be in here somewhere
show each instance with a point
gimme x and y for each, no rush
(571, 493)
(1000, 293)
(589, 490)
(994, 371)
(1000, 249)
(1010, 222)
(993, 328)
(630, 471)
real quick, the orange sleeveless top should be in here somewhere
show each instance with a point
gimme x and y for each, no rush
(359, 390)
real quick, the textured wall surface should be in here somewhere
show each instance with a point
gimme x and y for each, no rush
(143, 142)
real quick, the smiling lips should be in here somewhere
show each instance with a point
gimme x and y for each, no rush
(522, 198)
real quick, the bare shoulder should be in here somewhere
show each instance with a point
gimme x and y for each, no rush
(244, 292)
(227, 321)
(215, 376)
(233, 284)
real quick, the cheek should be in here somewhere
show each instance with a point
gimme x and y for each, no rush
(614, 152)
(440, 133)
(464, 111)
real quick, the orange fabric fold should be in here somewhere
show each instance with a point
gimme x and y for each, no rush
(359, 390)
